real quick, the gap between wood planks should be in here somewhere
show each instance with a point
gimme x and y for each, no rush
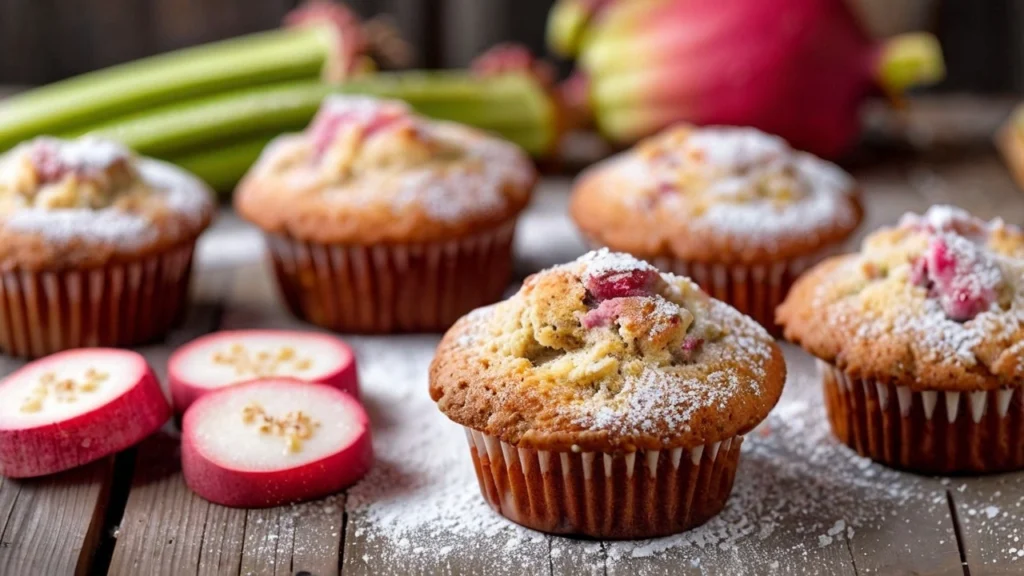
(958, 528)
(120, 486)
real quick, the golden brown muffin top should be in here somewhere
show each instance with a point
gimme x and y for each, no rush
(716, 194)
(88, 201)
(371, 171)
(935, 303)
(606, 353)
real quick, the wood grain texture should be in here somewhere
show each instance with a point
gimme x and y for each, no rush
(366, 556)
(290, 539)
(991, 514)
(48, 527)
(53, 524)
(164, 526)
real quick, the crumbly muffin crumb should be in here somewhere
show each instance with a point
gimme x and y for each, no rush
(609, 346)
(937, 299)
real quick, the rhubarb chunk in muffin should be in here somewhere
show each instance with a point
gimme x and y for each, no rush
(736, 209)
(607, 352)
(931, 309)
(95, 245)
(598, 397)
(934, 302)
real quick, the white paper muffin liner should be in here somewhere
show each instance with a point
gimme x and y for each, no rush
(927, 431)
(392, 288)
(636, 495)
(118, 305)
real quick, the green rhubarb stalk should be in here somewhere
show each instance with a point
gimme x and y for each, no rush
(222, 167)
(255, 59)
(513, 106)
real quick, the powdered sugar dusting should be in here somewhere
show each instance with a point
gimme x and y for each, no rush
(736, 148)
(741, 182)
(181, 193)
(459, 173)
(475, 187)
(106, 226)
(604, 262)
(663, 397)
(796, 488)
(945, 291)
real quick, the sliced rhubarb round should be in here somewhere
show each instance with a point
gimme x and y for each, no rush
(274, 441)
(227, 358)
(75, 407)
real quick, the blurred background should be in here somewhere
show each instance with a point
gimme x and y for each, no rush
(46, 40)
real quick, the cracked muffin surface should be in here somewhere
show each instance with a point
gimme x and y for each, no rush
(934, 303)
(88, 202)
(368, 170)
(716, 194)
(607, 353)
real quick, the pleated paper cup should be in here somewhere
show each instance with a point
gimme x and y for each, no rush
(929, 431)
(619, 496)
(392, 288)
(118, 305)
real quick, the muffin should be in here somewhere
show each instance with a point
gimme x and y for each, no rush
(920, 337)
(379, 220)
(733, 208)
(607, 399)
(1011, 142)
(95, 245)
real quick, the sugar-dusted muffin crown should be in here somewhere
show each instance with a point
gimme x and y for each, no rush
(84, 202)
(369, 171)
(936, 302)
(716, 194)
(606, 353)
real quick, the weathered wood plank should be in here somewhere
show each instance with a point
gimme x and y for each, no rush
(572, 556)
(223, 534)
(991, 514)
(164, 526)
(53, 524)
(980, 183)
(292, 539)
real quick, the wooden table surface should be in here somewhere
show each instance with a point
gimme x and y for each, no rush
(802, 504)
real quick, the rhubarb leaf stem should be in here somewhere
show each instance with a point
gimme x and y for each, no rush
(514, 106)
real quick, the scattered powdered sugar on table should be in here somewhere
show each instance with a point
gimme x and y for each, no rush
(796, 492)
